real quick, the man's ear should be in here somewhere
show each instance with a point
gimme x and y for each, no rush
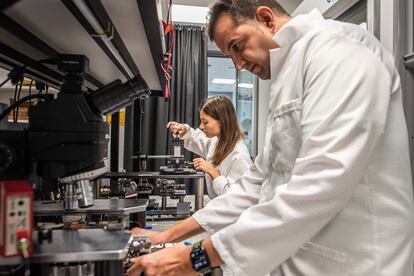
(266, 16)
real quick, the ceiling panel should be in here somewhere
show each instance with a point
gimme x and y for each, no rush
(52, 22)
(127, 19)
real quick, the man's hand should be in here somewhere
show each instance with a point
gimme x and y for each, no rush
(169, 261)
(202, 165)
(177, 128)
(155, 237)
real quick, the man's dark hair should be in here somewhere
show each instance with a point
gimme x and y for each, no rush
(239, 10)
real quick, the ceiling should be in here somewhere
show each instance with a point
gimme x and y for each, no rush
(53, 23)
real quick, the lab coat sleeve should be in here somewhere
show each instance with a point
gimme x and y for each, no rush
(226, 209)
(346, 96)
(196, 141)
(240, 164)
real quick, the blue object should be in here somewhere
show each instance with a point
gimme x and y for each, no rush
(149, 227)
(187, 243)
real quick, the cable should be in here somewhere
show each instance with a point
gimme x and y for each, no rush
(168, 13)
(24, 246)
(18, 98)
(13, 270)
(18, 72)
(166, 61)
(4, 82)
(30, 92)
(17, 103)
(14, 100)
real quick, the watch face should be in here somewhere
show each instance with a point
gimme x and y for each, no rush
(200, 259)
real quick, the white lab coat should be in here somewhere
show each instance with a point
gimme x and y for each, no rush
(231, 168)
(331, 194)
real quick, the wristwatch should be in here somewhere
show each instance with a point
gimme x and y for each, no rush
(199, 259)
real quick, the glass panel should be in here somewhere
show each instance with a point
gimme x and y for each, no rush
(245, 106)
(239, 88)
(221, 78)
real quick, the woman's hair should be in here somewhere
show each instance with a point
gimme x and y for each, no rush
(221, 109)
(240, 11)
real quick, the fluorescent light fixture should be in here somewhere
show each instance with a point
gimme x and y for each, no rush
(86, 12)
(245, 85)
(189, 14)
(224, 81)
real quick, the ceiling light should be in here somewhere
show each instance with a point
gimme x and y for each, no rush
(224, 81)
(245, 85)
(189, 14)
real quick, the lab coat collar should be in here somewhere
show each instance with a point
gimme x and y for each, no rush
(297, 27)
(293, 30)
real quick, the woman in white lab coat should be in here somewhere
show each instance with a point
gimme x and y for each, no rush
(219, 142)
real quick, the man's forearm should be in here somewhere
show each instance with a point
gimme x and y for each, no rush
(212, 254)
(185, 229)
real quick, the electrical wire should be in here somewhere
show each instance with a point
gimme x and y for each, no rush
(5, 81)
(166, 61)
(30, 92)
(18, 98)
(13, 270)
(24, 247)
(14, 100)
(17, 103)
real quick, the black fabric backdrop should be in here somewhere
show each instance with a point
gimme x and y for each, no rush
(188, 88)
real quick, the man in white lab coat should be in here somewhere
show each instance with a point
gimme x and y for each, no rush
(331, 193)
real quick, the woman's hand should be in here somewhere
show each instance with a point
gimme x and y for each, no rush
(155, 237)
(202, 165)
(169, 261)
(177, 128)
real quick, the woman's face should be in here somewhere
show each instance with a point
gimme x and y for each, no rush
(211, 127)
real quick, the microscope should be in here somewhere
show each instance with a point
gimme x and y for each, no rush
(66, 141)
(61, 151)
(176, 163)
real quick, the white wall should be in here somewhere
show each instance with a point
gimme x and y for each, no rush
(263, 107)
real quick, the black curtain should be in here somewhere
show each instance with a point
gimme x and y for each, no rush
(188, 87)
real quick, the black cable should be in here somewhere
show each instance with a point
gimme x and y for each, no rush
(4, 82)
(26, 262)
(18, 98)
(168, 13)
(15, 100)
(12, 270)
(22, 100)
(30, 92)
